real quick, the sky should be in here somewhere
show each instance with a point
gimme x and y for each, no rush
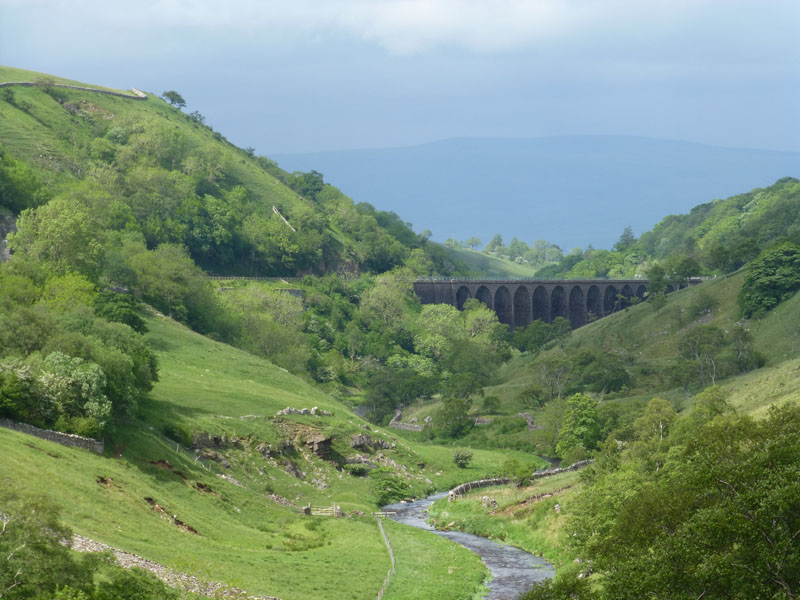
(290, 76)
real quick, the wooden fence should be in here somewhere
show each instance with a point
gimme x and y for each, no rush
(323, 511)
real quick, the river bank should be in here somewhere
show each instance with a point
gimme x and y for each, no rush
(513, 570)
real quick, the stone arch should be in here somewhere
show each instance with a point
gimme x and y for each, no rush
(462, 295)
(541, 306)
(484, 295)
(641, 291)
(577, 307)
(558, 303)
(594, 304)
(503, 306)
(627, 294)
(522, 307)
(610, 300)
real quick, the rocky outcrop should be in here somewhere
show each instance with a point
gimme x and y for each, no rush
(319, 444)
(365, 442)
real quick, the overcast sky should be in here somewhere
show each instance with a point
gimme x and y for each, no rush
(306, 75)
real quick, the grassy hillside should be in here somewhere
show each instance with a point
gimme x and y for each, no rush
(243, 538)
(479, 265)
(182, 182)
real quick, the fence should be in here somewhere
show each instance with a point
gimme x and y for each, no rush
(323, 511)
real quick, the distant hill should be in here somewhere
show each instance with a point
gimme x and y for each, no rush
(477, 264)
(570, 190)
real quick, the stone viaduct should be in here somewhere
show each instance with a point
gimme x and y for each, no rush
(518, 302)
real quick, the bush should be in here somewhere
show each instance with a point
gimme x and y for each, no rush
(771, 278)
(357, 470)
(491, 404)
(462, 458)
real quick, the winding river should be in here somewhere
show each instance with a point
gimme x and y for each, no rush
(513, 570)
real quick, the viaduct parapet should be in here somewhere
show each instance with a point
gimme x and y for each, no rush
(518, 302)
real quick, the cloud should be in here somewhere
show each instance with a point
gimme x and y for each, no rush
(401, 27)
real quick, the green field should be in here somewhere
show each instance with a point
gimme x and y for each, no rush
(478, 264)
(243, 538)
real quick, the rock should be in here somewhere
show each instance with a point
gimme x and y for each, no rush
(320, 445)
(293, 470)
(265, 450)
(360, 440)
(428, 419)
(414, 420)
(488, 502)
(557, 508)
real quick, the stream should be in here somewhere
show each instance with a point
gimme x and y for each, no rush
(513, 570)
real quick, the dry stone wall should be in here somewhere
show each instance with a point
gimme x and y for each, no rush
(136, 94)
(65, 439)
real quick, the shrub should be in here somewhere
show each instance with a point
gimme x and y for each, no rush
(771, 278)
(462, 458)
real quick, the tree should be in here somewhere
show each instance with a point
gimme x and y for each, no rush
(174, 98)
(701, 345)
(555, 371)
(495, 244)
(452, 420)
(63, 234)
(658, 281)
(720, 519)
(580, 426)
(656, 420)
(473, 242)
(626, 240)
(771, 278)
(33, 561)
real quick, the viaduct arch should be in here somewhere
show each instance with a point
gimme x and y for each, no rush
(518, 302)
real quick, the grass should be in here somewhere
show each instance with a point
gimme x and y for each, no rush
(243, 538)
(455, 573)
(533, 526)
(478, 264)
(14, 74)
(55, 141)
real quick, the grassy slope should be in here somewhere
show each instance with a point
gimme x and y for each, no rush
(641, 333)
(21, 75)
(49, 138)
(244, 538)
(478, 264)
(651, 335)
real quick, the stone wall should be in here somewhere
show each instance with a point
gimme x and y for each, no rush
(572, 467)
(395, 423)
(136, 95)
(65, 439)
(462, 489)
(471, 485)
